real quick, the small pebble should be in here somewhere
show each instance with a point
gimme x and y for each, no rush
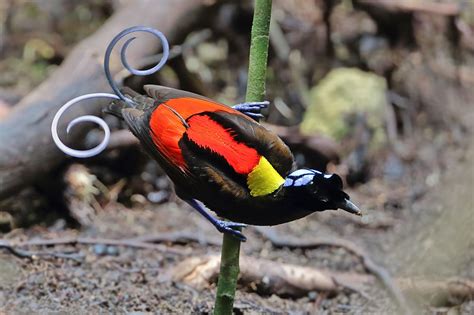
(158, 196)
(112, 250)
(100, 249)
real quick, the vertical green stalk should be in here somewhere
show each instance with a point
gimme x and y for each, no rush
(228, 275)
(229, 270)
(259, 51)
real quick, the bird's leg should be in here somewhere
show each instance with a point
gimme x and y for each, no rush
(252, 109)
(222, 226)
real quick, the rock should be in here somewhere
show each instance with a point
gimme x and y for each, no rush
(112, 250)
(342, 94)
(100, 249)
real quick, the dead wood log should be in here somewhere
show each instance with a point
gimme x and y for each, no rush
(283, 279)
(268, 276)
(27, 151)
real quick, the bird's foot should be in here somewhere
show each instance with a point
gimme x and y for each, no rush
(222, 226)
(231, 228)
(252, 109)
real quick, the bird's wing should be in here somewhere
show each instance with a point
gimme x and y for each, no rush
(233, 150)
(197, 138)
(167, 120)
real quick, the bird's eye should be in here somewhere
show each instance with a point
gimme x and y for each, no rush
(313, 188)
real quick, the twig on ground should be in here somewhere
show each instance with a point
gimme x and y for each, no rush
(144, 242)
(180, 237)
(21, 253)
(15, 247)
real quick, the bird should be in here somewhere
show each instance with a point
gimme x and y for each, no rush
(221, 159)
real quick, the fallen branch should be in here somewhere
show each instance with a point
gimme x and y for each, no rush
(370, 266)
(180, 237)
(266, 276)
(270, 277)
(119, 139)
(26, 149)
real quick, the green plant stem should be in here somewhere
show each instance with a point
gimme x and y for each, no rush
(228, 275)
(229, 270)
(259, 51)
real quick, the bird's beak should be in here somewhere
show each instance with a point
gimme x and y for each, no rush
(348, 206)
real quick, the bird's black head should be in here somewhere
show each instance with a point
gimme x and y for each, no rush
(316, 191)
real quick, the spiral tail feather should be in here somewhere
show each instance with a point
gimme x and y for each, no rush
(133, 100)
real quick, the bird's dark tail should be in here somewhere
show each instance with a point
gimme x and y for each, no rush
(115, 107)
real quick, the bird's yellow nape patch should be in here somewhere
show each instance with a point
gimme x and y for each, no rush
(263, 179)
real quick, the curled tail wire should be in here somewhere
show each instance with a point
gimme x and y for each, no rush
(123, 57)
(117, 96)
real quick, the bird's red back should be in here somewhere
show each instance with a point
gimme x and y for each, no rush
(167, 129)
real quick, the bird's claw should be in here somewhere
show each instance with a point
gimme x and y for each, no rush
(252, 109)
(230, 228)
(254, 115)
